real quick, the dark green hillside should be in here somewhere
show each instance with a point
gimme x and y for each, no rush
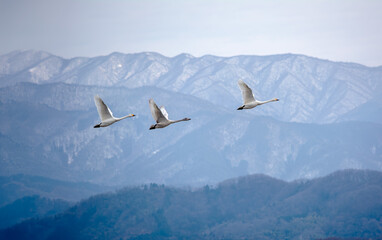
(346, 204)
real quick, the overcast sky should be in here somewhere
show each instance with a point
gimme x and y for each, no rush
(338, 30)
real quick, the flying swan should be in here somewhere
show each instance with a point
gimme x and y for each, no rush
(249, 99)
(161, 116)
(105, 114)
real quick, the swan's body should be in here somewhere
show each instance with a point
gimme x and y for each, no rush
(105, 114)
(249, 99)
(161, 116)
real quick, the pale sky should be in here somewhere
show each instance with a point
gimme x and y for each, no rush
(338, 30)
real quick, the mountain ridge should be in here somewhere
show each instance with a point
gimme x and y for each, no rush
(307, 86)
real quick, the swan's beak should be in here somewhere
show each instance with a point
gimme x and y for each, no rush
(276, 99)
(133, 115)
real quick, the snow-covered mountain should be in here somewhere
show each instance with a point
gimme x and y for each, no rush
(47, 115)
(311, 90)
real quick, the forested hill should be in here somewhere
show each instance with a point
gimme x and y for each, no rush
(344, 204)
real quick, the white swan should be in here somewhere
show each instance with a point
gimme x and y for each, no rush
(249, 99)
(161, 116)
(105, 114)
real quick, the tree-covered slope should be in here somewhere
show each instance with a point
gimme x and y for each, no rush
(344, 204)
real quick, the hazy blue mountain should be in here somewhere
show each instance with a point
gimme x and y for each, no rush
(345, 204)
(311, 90)
(30, 207)
(23, 197)
(370, 111)
(47, 130)
(19, 186)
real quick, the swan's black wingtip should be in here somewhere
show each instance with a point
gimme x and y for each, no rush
(240, 108)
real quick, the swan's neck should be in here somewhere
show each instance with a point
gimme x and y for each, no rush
(272, 100)
(181, 120)
(119, 119)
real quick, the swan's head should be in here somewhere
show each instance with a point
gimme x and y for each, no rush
(186, 119)
(132, 115)
(276, 99)
(152, 127)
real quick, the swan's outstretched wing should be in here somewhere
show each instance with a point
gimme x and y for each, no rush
(246, 92)
(157, 114)
(103, 111)
(164, 112)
